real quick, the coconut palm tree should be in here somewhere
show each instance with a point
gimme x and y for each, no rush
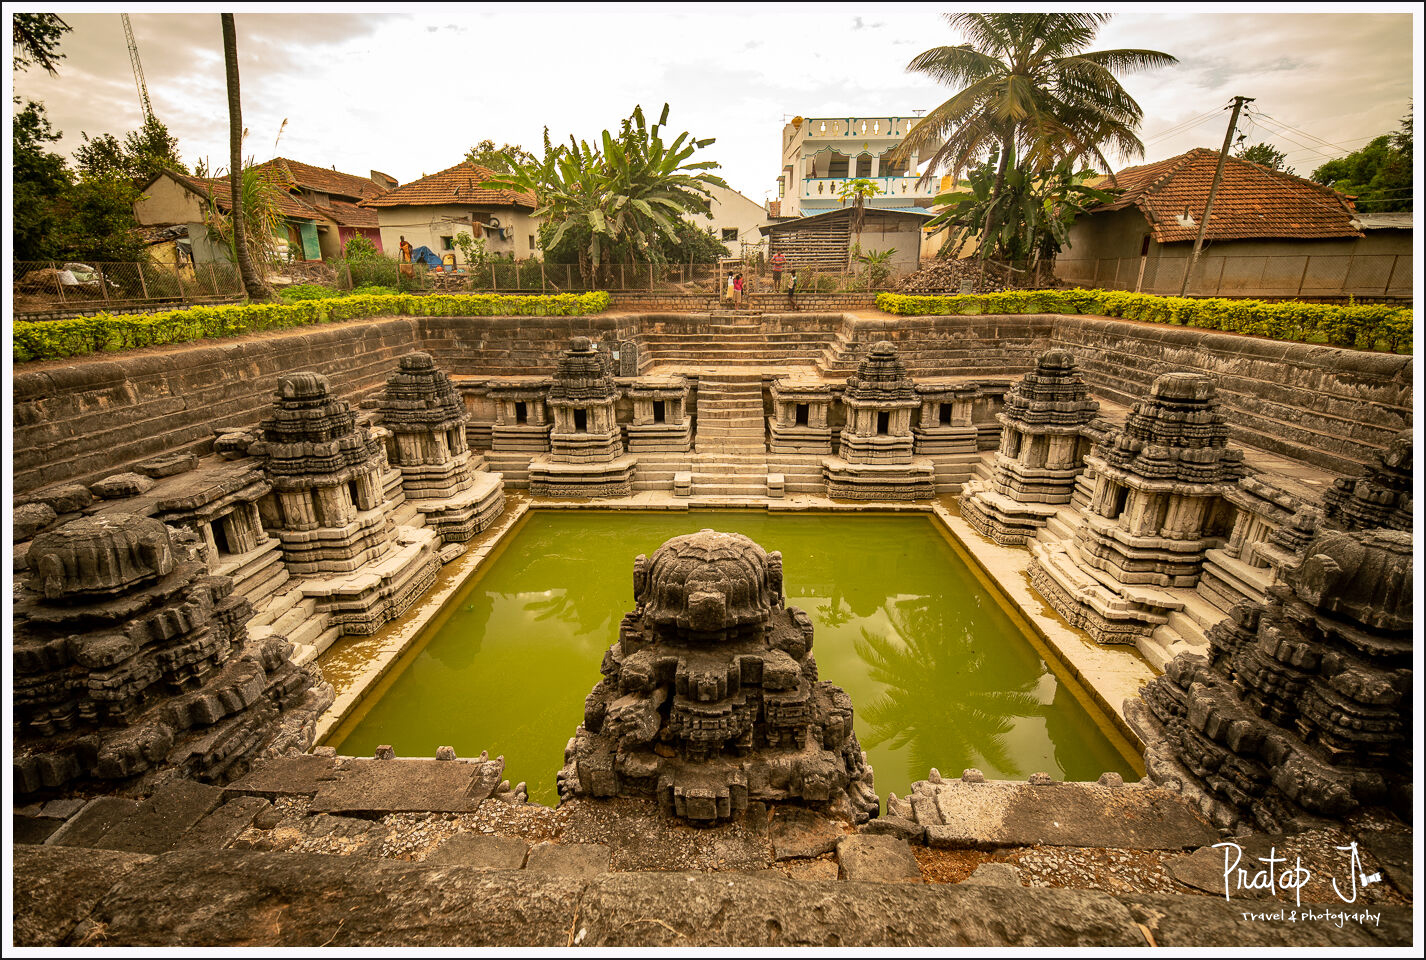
(1028, 87)
(253, 283)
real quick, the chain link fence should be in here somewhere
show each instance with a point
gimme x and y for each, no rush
(1363, 276)
(50, 286)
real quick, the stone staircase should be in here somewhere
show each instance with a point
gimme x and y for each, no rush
(728, 338)
(730, 414)
(295, 617)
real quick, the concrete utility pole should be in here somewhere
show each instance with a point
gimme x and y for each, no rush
(1213, 190)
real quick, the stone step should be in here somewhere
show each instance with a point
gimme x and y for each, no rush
(1187, 628)
(1204, 613)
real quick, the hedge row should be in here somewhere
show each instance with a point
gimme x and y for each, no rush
(47, 339)
(1367, 327)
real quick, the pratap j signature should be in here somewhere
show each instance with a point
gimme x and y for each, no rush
(1290, 878)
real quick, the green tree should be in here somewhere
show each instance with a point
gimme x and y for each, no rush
(619, 199)
(1027, 221)
(240, 184)
(40, 180)
(142, 155)
(858, 191)
(1265, 155)
(1378, 175)
(503, 160)
(1028, 86)
(36, 41)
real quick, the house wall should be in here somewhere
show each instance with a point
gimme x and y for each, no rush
(1105, 250)
(733, 211)
(166, 202)
(426, 225)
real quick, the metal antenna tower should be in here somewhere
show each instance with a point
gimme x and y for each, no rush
(138, 68)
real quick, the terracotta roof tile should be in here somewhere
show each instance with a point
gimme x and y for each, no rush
(287, 204)
(1252, 201)
(321, 179)
(460, 184)
(347, 214)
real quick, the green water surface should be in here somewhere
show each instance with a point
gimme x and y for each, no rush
(940, 675)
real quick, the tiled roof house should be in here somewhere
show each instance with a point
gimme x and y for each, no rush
(433, 210)
(1270, 234)
(334, 196)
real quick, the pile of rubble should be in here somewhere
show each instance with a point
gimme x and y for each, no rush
(983, 276)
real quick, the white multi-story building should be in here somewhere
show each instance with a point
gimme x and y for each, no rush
(820, 154)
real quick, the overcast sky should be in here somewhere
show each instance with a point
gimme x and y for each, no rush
(408, 93)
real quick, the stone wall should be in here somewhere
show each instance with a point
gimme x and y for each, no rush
(81, 421)
(661, 300)
(1328, 407)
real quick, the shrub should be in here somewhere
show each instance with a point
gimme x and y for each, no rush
(1369, 327)
(47, 339)
(307, 291)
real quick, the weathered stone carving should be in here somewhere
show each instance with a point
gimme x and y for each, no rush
(661, 421)
(1243, 569)
(448, 484)
(1302, 708)
(130, 660)
(521, 421)
(800, 411)
(1042, 450)
(586, 457)
(331, 511)
(1155, 511)
(710, 699)
(1381, 498)
(946, 425)
(874, 460)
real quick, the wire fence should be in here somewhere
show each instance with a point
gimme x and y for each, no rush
(1314, 276)
(534, 276)
(48, 286)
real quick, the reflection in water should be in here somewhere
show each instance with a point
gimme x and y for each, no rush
(933, 707)
(938, 673)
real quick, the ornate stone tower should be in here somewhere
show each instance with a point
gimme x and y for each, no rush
(586, 457)
(326, 472)
(710, 699)
(330, 510)
(1302, 709)
(1155, 511)
(442, 478)
(874, 459)
(131, 661)
(1041, 452)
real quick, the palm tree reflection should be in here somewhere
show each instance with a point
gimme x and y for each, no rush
(945, 704)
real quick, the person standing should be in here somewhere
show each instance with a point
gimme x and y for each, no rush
(738, 290)
(728, 296)
(792, 291)
(778, 260)
(405, 251)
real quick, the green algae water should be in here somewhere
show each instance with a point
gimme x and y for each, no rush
(939, 673)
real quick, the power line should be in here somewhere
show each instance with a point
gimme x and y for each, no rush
(1183, 127)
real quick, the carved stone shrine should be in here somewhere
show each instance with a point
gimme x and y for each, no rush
(131, 661)
(586, 457)
(874, 458)
(446, 483)
(661, 422)
(799, 422)
(1042, 450)
(710, 699)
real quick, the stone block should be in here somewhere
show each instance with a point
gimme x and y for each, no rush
(481, 852)
(56, 888)
(88, 827)
(894, 826)
(286, 776)
(156, 468)
(569, 859)
(221, 826)
(405, 785)
(32, 830)
(121, 485)
(30, 518)
(62, 498)
(161, 820)
(879, 859)
(797, 832)
(994, 875)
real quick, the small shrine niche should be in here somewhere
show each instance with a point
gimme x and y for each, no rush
(800, 420)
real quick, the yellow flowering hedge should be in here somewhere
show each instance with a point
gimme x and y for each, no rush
(47, 339)
(1365, 327)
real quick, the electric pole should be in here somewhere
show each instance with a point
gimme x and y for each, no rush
(1213, 190)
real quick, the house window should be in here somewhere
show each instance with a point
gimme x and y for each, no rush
(838, 166)
(532, 241)
(864, 165)
(448, 243)
(730, 234)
